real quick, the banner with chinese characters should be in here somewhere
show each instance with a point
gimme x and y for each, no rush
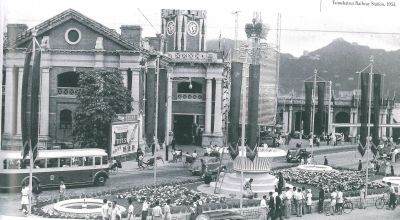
(124, 138)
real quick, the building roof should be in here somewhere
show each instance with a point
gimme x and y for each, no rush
(72, 14)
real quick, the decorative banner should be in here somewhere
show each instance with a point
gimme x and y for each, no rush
(124, 138)
(233, 151)
(364, 112)
(162, 106)
(234, 112)
(319, 121)
(252, 113)
(25, 105)
(307, 113)
(377, 90)
(150, 105)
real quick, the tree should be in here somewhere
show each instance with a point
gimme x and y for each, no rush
(101, 97)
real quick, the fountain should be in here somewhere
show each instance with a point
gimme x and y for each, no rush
(258, 170)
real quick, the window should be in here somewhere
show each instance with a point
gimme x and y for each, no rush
(73, 36)
(77, 161)
(65, 162)
(65, 119)
(97, 161)
(52, 162)
(41, 163)
(68, 79)
(105, 160)
(88, 161)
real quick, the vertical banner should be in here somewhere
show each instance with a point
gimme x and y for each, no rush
(377, 94)
(25, 104)
(319, 122)
(141, 89)
(252, 113)
(162, 107)
(150, 105)
(364, 112)
(35, 89)
(234, 111)
(307, 112)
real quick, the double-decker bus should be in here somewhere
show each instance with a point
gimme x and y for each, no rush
(73, 166)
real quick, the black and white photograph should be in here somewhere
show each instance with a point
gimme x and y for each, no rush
(200, 110)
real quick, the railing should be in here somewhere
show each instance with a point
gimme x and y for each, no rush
(67, 91)
(190, 97)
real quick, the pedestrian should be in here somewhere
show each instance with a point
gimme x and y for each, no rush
(303, 202)
(203, 167)
(309, 201)
(288, 202)
(362, 196)
(271, 207)
(116, 213)
(25, 198)
(299, 200)
(199, 205)
(110, 209)
(279, 206)
(302, 161)
(392, 196)
(325, 161)
(359, 165)
(153, 148)
(321, 198)
(157, 211)
(334, 140)
(173, 144)
(391, 170)
(309, 159)
(63, 189)
(339, 200)
(281, 182)
(145, 208)
(333, 201)
(247, 188)
(167, 210)
(289, 137)
(104, 210)
(140, 162)
(193, 209)
(328, 138)
(131, 210)
(295, 203)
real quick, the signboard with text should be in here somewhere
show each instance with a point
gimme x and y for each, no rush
(124, 138)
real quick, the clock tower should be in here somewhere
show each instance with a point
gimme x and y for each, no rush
(184, 30)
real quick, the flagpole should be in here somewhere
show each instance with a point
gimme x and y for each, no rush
(329, 108)
(369, 123)
(313, 114)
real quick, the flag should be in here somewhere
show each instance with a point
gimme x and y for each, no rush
(251, 153)
(234, 112)
(233, 151)
(162, 108)
(377, 96)
(150, 104)
(25, 105)
(361, 149)
(319, 125)
(364, 110)
(307, 112)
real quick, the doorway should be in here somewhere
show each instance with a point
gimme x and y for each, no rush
(183, 129)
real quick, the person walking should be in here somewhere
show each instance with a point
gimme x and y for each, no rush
(359, 165)
(263, 206)
(116, 213)
(167, 210)
(104, 210)
(193, 209)
(25, 198)
(303, 202)
(271, 207)
(333, 201)
(131, 210)
(281, 182)
(157, 211)
(295, 204)
(392, 196)
(339, 201)
(199, 205)
(325, 161)
(391, 170)
(63, 189)
(287, 200)
(279, 206)
(299, 206)
(321, 198)
(362, 197)
(145, 208)
(309, 201)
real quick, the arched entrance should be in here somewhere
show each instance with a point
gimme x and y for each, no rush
(342, 117)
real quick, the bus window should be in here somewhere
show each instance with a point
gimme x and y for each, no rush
(88, 161)
(105, 160)
(52, 162)
(97, 161)
(65, 162)
(5, 163)
(40, 163)
(77, 161)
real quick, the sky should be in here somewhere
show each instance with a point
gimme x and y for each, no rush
(306, 24)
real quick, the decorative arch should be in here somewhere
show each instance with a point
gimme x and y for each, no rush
(68, 79)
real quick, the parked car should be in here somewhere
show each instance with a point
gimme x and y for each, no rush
(270, 141)
(220, 215)
(212, 166)
(295, 154)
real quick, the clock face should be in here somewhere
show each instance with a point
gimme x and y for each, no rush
(170, 28)
(192, 28)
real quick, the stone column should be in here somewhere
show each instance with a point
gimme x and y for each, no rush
(20, 74)
(208, 106)
(290, 121)
(353, 121)
(330, 121)
(382, 121)
(44, 103)
(218, 108)
(10, 102)
(285, 119)
(135, 90)
(390, 121)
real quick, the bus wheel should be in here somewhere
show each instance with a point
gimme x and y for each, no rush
(100, 180)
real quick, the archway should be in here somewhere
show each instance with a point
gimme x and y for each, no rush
(342, 117)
